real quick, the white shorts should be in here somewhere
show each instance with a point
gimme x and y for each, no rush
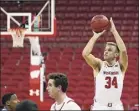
(109, 106)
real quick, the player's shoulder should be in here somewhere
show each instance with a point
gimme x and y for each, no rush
(102, 63)
(52, 106)
(72, 104)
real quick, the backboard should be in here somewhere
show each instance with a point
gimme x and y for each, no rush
(37, 16)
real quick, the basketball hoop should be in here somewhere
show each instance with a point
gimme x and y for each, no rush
(18, 35)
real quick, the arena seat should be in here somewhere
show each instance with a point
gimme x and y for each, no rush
(64, 66)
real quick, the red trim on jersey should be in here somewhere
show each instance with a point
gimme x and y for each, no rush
(70, 101)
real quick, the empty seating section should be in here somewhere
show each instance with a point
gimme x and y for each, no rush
(73, 26)
(73, 17)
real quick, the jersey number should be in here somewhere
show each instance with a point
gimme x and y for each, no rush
(111, 82)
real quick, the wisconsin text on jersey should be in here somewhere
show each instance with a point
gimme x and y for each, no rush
(110, 72)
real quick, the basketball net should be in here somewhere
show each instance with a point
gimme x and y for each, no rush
(18, 35)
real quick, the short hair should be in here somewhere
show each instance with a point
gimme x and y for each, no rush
(6, 97)
(59, 79)
(114, 44)
(27, 105)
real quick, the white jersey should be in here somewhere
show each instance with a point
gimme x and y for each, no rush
(67, 104)
(109, 84)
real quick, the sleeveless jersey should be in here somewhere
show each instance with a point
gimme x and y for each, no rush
(109, 84)
(67, 104)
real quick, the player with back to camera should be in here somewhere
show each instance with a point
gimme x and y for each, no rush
(9, 101)
(109, 74)
(57, 87)
(27, 105)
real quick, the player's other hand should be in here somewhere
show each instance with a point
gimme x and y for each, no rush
(98, 34)
(113, 28)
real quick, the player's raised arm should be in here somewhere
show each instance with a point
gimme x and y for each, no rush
(122, 48)
(90, 58)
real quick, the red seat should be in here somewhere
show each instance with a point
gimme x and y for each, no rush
(125, 104)
(81, 95)
(127, 83)
(54, 56)
(71, 95)
(87, 69)
(51, 66)
(44, 49)
(135, 92)
(90, 94)
(5, 51)
(51, 62)
(72, 83)
(68, 57)
(63, 70)
(134, 101)
(78, 56)
(17, 50)
(135, 82)
(55, 50)
(79, 101)
(83, 82)
(63, 65)
(78, 50)
(74, 72)
(76, 65)
(68, 50)
(88, 101)
(81, 89)
(71, 90)
(126, 96)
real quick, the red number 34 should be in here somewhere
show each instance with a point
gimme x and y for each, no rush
(111, 82)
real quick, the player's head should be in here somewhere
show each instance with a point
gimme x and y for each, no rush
(10, 101)
(111, 51)
(57, 84)
(27, 105)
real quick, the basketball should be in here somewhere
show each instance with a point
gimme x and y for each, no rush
(99, 23)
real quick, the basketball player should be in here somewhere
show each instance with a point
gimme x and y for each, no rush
(27, 105)
(57, 87)
(109, 74)
(9, 101)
